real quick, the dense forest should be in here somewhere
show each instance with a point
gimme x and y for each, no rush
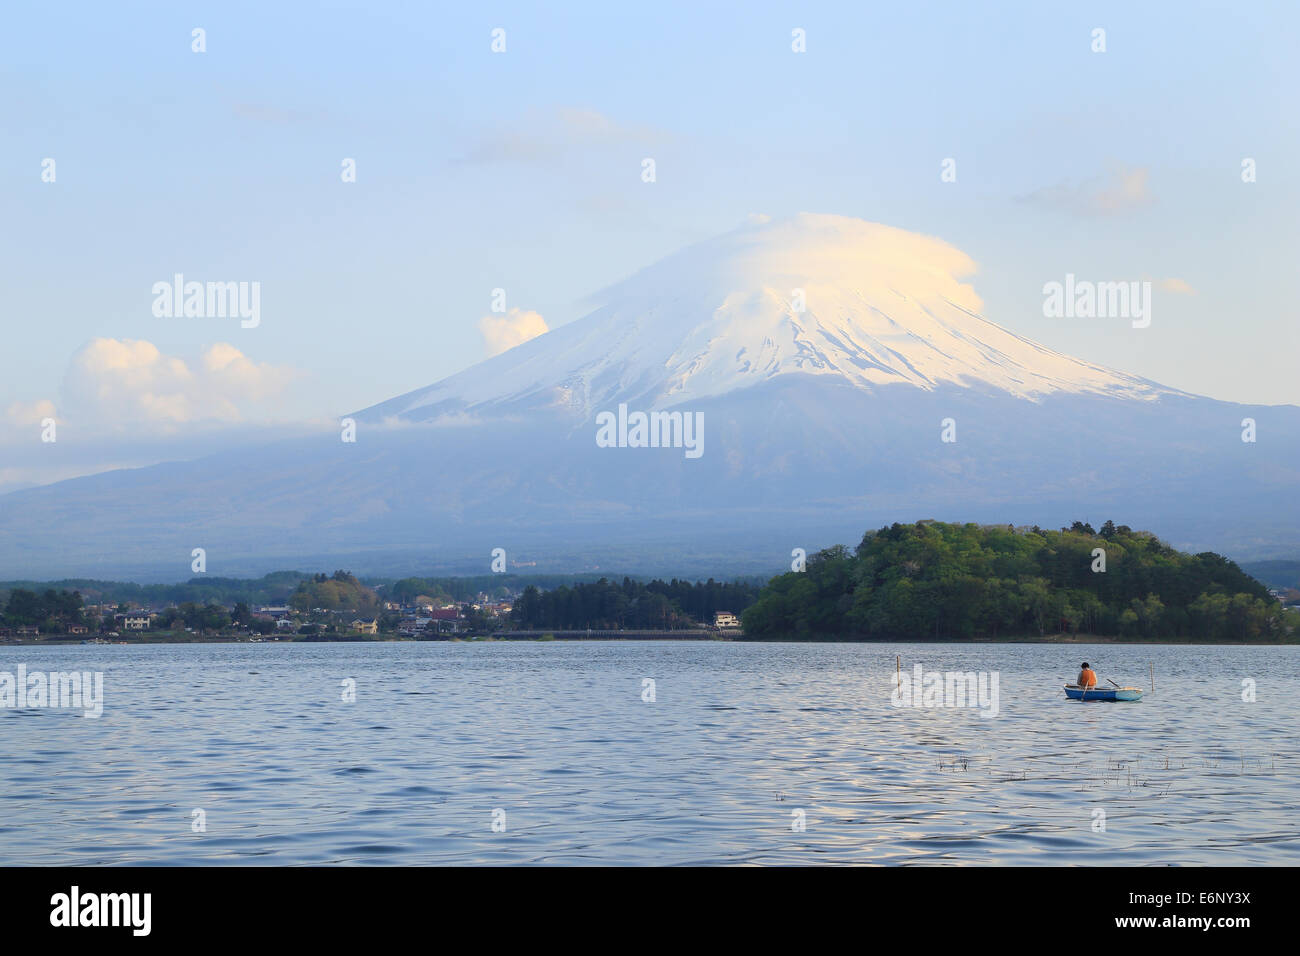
(272, 588)
(632, 604)
(54, 612)
(340, 592)
(936, 581)
(278, 587)
(923, 581)
(48, 609)
(456, 590)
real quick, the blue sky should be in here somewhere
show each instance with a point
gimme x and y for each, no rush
(521, 170)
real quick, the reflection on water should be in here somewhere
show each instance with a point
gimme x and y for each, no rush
(737, 739)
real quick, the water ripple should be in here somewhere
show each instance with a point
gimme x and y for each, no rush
(751, 754)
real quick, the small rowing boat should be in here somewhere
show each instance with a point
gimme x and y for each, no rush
(1075, 692)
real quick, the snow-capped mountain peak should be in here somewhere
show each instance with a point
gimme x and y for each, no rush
(814, 295)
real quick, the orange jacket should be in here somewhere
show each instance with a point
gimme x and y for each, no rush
(1087, 678)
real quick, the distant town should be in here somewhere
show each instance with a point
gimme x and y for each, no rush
(926, 581)
(342, 608)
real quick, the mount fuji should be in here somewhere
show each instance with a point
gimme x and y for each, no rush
(831, 363)
(834, 299)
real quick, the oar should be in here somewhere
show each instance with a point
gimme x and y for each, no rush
(1117, 685)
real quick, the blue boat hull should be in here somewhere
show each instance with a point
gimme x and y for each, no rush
(1103, 693)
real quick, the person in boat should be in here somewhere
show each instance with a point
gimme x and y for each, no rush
(1087, 677)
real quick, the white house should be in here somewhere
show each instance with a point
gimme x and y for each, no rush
(725, 619)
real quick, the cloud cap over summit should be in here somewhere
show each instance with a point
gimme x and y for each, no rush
(830, 296)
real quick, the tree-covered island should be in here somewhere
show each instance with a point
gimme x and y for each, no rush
(923, 581)
(961, 582)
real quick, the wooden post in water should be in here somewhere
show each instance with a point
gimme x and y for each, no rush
(898, 666)
(1153, 677)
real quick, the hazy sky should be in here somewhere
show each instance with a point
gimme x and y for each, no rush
(522, 170)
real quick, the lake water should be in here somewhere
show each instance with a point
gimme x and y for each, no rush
(741, 743)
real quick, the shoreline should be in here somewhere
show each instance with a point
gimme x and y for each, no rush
(550, 637)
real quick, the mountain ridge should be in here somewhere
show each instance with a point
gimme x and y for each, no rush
(847, 414)
(880, 306)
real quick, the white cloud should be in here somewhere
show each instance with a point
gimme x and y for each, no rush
(1122, 189)
(587, 125)
(129, 382)
(125, 404)
(1177, 286)
(504, 332)
(30, 413)
(232, 370)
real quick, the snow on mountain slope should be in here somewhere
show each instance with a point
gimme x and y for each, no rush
(818, 425)
(881, 306)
